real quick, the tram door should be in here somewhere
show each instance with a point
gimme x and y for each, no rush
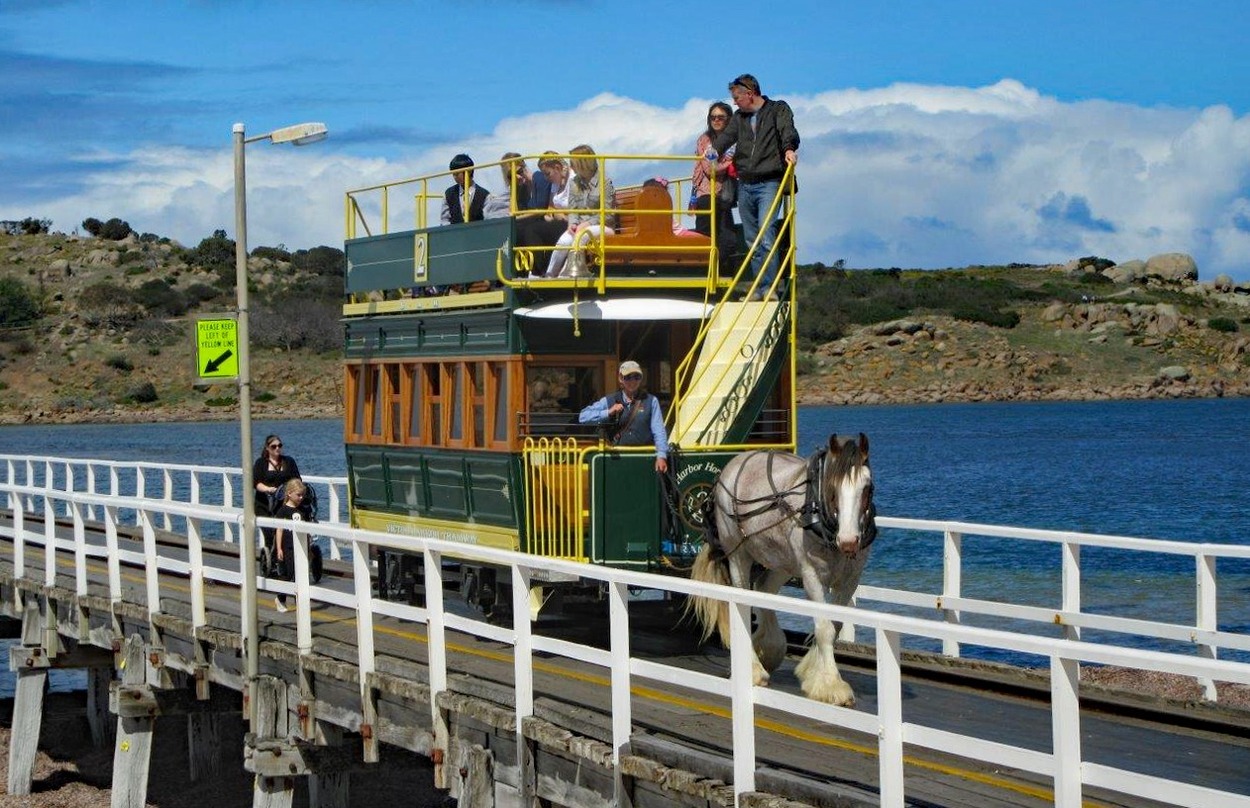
(625, 515)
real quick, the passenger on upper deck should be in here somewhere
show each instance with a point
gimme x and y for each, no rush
(718, 115)
(633, 413)
(499, 205)
(545, 230)
(767, 142)
(584, 195)
(454, 205)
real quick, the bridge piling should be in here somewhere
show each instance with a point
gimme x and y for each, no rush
(32, 679)
(132, 754)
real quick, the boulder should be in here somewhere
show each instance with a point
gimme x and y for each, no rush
(1128, 272)
(1178, 373)
(1172, 267)
(1223, 283)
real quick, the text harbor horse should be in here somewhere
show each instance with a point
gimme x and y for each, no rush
(808, 519)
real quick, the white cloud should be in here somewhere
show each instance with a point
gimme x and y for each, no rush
(906, 175)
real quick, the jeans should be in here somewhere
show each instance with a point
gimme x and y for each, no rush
(754, 200)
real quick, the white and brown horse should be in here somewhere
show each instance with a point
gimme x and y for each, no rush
(776, 517)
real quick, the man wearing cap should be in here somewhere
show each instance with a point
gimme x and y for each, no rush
(635, 413)
(762, 130)
(464, 190)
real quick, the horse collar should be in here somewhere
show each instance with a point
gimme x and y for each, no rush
(814, 516)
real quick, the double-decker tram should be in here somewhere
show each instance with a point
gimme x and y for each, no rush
(466, 369)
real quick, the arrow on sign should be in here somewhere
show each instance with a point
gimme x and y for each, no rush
(216, 363)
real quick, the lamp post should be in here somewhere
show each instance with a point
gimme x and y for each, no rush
(299, 135)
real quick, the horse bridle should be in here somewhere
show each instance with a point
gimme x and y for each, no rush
(814, 516)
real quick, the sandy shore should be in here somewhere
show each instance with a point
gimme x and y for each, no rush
(71, 773)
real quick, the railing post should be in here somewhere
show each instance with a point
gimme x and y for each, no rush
(80, 549)
(622, 707)
(152, 573)
(952, 583)
(890, 718)
(112, 561)
(362, 581)
(333, 518)
(167, 478)
(91, 489)
(303, 598)
(49, 538)
(742, 698)
(523, 677)
(227, 501)
(1065, 719)
(1206, 615)
(195, 551)
(436, 639)
(1071, 587)
(141, 479)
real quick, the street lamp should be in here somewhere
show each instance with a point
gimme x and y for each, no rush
(299, 135)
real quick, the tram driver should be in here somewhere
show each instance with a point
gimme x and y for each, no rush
(632, 414)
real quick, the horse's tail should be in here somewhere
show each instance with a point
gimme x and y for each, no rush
(710, 566)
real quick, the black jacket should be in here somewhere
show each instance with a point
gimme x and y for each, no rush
(761, 154)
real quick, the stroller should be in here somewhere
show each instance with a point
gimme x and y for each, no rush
(269, 564)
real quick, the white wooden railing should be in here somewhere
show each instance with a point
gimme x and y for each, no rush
(1064, 766)
(168, 482)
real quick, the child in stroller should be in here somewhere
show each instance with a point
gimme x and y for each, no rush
(297, 501)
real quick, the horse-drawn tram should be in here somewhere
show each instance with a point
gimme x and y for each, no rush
(468, 363)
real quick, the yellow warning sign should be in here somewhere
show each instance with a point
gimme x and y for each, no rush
(217, 348)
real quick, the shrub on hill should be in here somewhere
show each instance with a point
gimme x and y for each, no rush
(105, 304)
(158, 297)
(30, 226)
(831, 301)
(18, 306)
(215, 254)
(113, 230)
(1224, 324)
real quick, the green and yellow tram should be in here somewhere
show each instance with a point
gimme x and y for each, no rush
(465, 370)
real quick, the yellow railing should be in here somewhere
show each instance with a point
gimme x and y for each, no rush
(686, 372)
(555, 501)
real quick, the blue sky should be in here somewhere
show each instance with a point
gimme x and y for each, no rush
(935, 133)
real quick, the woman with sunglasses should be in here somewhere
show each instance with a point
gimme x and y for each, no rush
(269, 473)
(717, 119)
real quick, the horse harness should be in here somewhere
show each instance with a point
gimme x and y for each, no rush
(814, 516)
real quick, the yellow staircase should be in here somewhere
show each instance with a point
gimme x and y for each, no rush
(735, 348)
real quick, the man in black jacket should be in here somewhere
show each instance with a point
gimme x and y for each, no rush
(766, 142)
(465, 195)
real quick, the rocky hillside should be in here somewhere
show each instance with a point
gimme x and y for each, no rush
(115, 339)
(116, 342)
(1148, 333)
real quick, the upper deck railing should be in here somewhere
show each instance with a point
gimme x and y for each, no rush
(1064, 766)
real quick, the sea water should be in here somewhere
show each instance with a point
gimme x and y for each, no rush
(1173, 469)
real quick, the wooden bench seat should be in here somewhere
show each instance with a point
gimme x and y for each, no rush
(646, 220)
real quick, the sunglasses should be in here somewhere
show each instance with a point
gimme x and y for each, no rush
(632, 377)
(718, 117)
(275, 446)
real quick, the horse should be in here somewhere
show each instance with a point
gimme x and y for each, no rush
(808, 519)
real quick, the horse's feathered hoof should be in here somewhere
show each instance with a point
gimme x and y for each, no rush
(830, 691)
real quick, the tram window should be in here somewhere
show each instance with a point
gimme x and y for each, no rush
(499, 377)
(395, 400)
(358, 419)
(377, 390)
(433, 378)
(415, 401)
(457, 403)
(557, 393)
(477, 389)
